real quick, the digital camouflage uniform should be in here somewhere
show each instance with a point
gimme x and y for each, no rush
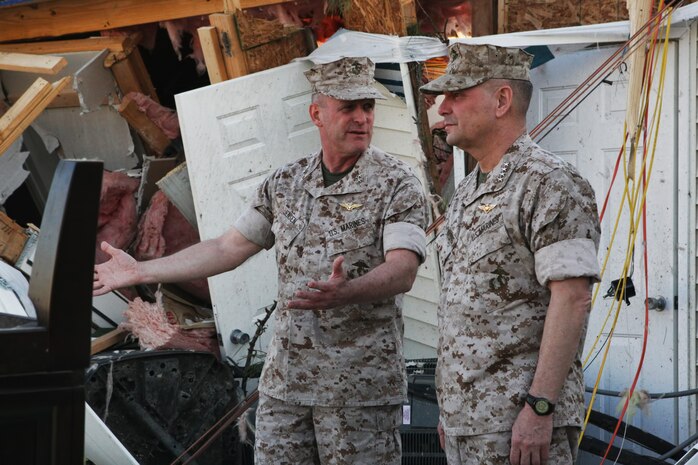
(532, 221)
(334, 380)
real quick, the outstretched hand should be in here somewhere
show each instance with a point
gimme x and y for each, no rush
(119, 271)
(323, 295)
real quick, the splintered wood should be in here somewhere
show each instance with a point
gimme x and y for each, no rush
(29, 109)
(257, 31)
(377, 16)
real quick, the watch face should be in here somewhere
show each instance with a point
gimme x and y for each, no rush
(541, 406)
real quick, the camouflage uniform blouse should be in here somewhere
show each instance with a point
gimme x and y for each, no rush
(345, 356)
(532, 221)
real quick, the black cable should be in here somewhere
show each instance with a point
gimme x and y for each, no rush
(657, 395)
(590, 90)
(680, 447)
(597, 353)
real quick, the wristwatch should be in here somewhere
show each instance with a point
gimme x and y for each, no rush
(540, 405)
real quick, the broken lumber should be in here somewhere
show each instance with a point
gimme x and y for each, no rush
(12, 239)
(152, 135)
(231, 48)
(58, 47)
(108, 340)
(32, 113)
(213, 57)
(23, 106)
(28, 63)
(132, 76)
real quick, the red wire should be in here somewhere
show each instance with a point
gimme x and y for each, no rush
(647, 72)
(613, 179)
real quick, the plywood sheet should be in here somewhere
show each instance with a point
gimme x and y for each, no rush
(526, 15)
(277, 53)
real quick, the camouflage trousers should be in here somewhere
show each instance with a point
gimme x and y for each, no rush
(306, 435)
(493, 448)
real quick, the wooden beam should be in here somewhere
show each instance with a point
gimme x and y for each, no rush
(233, 56)
(257, 3)
(231, 6)
(61, 17)
(23, 106)
(132, 76)
(91, 44)
(152, 135)
(107, 340)
(42, 64)
(33, 113)
(502, 20)
(215, 66)
(483, 17)
(67, 98)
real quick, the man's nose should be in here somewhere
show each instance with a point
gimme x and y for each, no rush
(361, 116)
(444, 108)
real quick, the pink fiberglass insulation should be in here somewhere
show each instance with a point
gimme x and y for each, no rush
(162, 231)
(117, 212)
(163, 117)
(148, 322)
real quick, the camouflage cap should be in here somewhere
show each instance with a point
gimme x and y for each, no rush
(471, 65)
(345, 79)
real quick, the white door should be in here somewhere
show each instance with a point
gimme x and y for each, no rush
(590, 138)
(235, 133)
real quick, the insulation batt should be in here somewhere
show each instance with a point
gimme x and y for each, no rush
(147, 321)
(163, 117)
(162, 231)
(176, 29)
(117, 219)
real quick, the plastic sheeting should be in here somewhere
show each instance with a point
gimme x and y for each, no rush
(392, 49)
(378, 47)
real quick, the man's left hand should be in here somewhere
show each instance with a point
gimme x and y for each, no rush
(530, 438)
(324, 294)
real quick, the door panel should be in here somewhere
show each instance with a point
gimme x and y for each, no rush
(590, 138)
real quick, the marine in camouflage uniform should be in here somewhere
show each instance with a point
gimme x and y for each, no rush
(514, 235)
(334, 379)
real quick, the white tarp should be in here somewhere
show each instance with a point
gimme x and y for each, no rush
(393, 49)
(379, 48)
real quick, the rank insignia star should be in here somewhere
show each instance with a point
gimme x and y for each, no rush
(350, 206)
(487, 207)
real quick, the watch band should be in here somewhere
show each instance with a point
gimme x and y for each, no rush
(540, 405)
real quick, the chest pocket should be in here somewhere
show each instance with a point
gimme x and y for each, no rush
(487, 243)
(353, 239)
(286, 228)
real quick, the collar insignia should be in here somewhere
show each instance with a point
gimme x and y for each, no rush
(350, 206)
(503, 171)
(487, 207)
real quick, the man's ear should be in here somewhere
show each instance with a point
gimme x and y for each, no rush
(505, 99)
(314, 111)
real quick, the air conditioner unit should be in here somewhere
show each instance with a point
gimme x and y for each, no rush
(691, 458)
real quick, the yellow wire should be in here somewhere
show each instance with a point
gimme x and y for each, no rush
(615, 228)
(635, 222)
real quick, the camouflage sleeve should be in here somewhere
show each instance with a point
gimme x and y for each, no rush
(255, 222)
(406, 218)
(564, 228)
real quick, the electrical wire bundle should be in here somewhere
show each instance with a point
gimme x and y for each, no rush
(645, 40)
